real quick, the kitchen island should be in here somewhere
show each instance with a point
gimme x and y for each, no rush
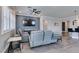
(74, 33)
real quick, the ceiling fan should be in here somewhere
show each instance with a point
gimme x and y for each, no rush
(35, 11)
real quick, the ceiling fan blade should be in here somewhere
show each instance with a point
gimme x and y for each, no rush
(34, 10)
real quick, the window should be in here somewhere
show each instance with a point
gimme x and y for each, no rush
(5, 19)
(12, 20)
(8, 20)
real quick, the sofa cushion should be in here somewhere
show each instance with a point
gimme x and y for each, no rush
(47, 37)
(52, 34)
(36, 38)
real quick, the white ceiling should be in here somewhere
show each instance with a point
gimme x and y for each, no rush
(54, 11)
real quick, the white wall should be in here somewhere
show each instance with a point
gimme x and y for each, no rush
(55, 28)
(51, 24)
(41, 23)
(71, 19)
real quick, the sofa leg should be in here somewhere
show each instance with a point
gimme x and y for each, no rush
(57, 40)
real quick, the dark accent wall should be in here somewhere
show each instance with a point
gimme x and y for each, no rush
(19, 23)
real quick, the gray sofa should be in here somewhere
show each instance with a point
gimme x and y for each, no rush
(38, 38)
(24, 35)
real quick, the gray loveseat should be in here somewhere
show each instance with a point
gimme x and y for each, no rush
(38, 38)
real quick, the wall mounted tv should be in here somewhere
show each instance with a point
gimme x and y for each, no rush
(29, 22)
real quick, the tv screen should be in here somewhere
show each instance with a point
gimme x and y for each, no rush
(29, 22)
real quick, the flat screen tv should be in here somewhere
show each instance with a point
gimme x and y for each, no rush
(29, 22)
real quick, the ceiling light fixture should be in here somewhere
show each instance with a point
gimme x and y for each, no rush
(34, 11)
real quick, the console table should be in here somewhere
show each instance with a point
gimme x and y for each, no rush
(13, 39)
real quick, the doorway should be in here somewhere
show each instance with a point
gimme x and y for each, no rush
(63, 26)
